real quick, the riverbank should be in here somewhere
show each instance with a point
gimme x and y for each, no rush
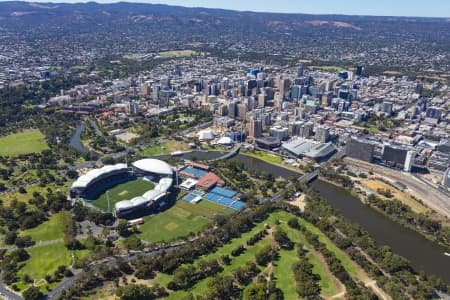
(364, 200)
(421, 252)
(432, 197)
(276, 161)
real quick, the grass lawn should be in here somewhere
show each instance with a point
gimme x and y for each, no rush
(28, 141)
(47, 231)
(265, 156)
(178, 221)
(202, 287)
(82, 255)
(205, 208)
(350, 266)
(394, 73)
(80, 68)
(8, 197)
(215, 207)
(45, 260)
(327, 283)
(163, 148)
(284, 275)
(123, 191)
(373, 130)
(178, 53)
(329, 68)
(399, 195)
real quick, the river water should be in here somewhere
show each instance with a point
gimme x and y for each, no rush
(422, 253)
(75, 141)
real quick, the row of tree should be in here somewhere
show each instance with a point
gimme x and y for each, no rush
(403, 281)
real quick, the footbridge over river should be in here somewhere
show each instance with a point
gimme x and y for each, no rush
(310, 176)
(227, 155)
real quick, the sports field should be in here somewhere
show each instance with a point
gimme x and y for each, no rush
(28, 141)
(180, 220)
(165, 147)
(123, 191)
(178, 53)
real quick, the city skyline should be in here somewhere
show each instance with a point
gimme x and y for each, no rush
(431, 8)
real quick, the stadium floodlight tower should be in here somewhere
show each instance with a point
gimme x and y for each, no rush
(109, 203)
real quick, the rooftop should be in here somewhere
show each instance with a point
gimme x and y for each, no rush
(153, 166)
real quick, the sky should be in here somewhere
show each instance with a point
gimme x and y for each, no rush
(427, 8)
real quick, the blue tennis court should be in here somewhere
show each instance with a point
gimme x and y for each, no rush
(223, 192)
(198, 193)
(218, 199)
(225, 201)
(196, 172)
(237, 205)
(189, 197)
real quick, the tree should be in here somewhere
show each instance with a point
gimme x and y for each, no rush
(255, 292)
(293, 223)
(10, 237)
(72, 174)
(122, 228)
(24, 241)
(134, 292)
(132, 243)
(33, 293)
(264, 256)
(221, 287)
(282, 239)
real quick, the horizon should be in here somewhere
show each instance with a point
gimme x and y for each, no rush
(383, 8)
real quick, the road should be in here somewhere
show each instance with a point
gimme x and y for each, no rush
(110, 261)
(433, 197)
(98, 132)
(7, 294)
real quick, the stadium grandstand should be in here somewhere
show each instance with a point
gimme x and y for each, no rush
(96, 181)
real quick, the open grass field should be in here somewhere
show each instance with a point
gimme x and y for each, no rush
(270, 158)
(211, 206)
(178, 221)
(8, 197)
(28, 141)
(79, 68)
(284, 275)
(45, 260)
(164, 148)
(124, 191)
(394, 73)
(47, 231)
(178, 53)
(328, 68)
(282, 268)
(399, 195)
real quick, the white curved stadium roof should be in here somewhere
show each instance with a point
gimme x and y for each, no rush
(153, 166)
(84, 180)
(152, 195)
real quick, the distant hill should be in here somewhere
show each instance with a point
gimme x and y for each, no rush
(135, 27)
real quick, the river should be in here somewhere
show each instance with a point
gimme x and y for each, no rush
(75, 141)
(422, 253)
